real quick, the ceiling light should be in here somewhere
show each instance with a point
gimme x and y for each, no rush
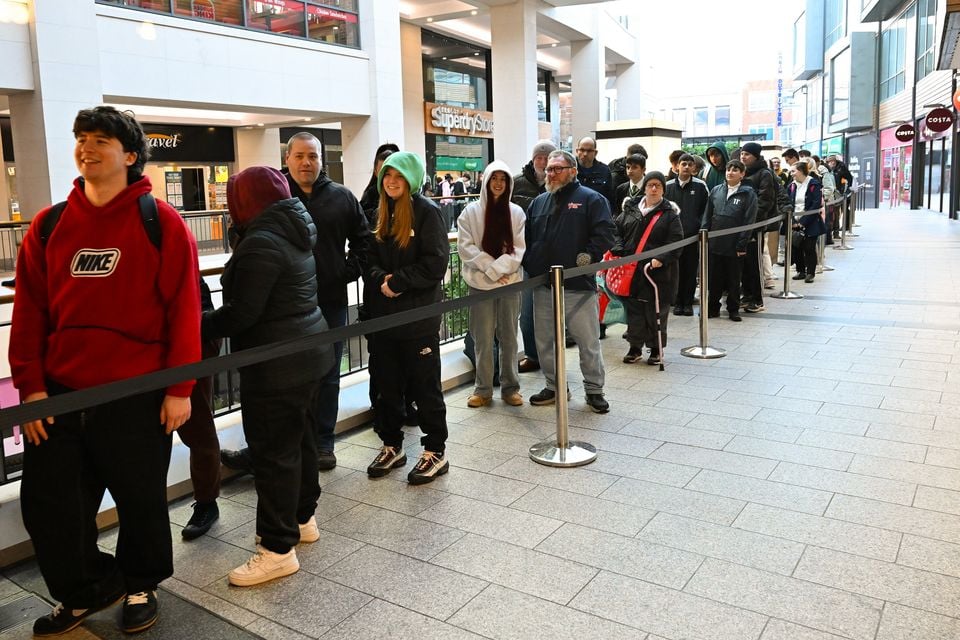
(444, 57)
(474, 12)
(476, 53)
(429, 19)
(259, 124)
(308, 119)
(554, 44)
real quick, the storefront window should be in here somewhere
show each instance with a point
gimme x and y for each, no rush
(148, 5)
(893, 53)
(226, 11)
(835, 21)
(333, 25)
(276, 16)
(926, 37)
(544, 78)
(895, 170)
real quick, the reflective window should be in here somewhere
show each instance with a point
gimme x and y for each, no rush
(834, 21)
(722, 116)
(840, 86)
(926, 37)
(893, 53)
(276, 16)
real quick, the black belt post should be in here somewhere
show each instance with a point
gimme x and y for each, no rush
(702, 351)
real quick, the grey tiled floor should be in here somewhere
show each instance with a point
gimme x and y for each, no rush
(805, 487)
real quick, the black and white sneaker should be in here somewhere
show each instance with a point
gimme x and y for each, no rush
(755, 307)
(633, 356)
(545, 397)
(140, 611)
(387, 460)
(62, 619)
(204, 515)
(597, 403)
(428, 468)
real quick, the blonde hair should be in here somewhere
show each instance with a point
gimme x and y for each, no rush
(402, 217)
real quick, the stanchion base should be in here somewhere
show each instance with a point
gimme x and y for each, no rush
(575, 454)
(840, 247)
(787, 295)
(702, 353)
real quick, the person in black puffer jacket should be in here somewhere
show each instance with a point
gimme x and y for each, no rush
(406, 264)
(638, 213)
(269, 295)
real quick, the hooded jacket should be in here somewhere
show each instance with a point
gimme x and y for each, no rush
(765, 185)
(618, 173)
(479, 269)
(631, 225)
(526, 187)
(270, 282)
(563, 224)
(340, 223)
(728, 211)
(418, 269)
(691, 198)
(712, 175)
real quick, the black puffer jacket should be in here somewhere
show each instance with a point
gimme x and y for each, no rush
(618, 173)
(417, 270)
(631, 225)
(340, 223)
(270, 295)
(526, 187)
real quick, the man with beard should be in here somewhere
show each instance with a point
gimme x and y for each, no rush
(569, 225)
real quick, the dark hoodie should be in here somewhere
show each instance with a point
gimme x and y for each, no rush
(270, 282)
(712, 175)
(526, 187)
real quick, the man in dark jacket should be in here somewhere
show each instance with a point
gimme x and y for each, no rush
(733, 204)
(691, 195)
(569, 225)
(527, 185)
(618, 167)
(762, 180)
(636, 168)
(592, 173)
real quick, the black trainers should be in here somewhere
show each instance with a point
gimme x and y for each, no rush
(654, 357)
(387, 460)
(597, 403)
(140, 611)
(428, 468)
(204, 515)
(62, 620)
(326, 460)
(633, 356)
(678, 310)
(755, 307)
(237, 460)
(799, 276)
(808, 279)
(545, 397)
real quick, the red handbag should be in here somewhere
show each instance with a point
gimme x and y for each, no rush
(619, 278)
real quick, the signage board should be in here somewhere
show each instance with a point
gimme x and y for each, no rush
(905, 132)
(939, 120)
(170, 143)
(447, 120)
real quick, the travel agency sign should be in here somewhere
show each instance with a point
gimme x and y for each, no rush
(447, 120)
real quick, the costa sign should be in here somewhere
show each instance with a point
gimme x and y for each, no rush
(905, 132)
(444, 119)
(939, 120)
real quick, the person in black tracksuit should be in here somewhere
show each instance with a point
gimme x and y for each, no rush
(690, 194)
(761, 180)
(406, 264)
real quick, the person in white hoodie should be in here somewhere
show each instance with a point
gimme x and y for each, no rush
(491, 245)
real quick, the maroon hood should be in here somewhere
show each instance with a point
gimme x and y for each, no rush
(253, 190)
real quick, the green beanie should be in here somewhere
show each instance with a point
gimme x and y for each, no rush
(409, 165)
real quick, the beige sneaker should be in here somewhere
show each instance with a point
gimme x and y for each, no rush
(514, 399)
(264, 566)
(476, 401)
(309, 531)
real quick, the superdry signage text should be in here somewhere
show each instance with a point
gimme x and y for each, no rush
(169, 143)
(442, 119)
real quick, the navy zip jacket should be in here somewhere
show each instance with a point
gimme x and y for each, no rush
(561, 225)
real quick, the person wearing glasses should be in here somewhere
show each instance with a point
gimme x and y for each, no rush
(592, 173)
(569, 225)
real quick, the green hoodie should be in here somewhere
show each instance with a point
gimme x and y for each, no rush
(410, 165)
(711, 175)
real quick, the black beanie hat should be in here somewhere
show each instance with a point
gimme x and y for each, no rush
(753, 149)
(653, 175)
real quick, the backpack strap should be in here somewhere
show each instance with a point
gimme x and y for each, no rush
(151, 218)
(50, 221)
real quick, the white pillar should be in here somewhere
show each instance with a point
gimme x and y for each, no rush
(259, 147)
(411, 50)
(588, 74)
(380, 37)
(65, 82)
(513, 36)
(4, 192)
(630, 97)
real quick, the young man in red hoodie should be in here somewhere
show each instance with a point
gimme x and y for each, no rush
(97, 302)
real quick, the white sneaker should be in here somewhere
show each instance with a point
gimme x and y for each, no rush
(264, 566)
(309, 531)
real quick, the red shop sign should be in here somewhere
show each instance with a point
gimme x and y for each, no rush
(905, 132)
(330, 14)
(939, 120)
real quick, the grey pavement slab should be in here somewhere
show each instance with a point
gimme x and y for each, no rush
(906, 623)
(845, 482)
(585, 510)
(775, 494)
(375, 618)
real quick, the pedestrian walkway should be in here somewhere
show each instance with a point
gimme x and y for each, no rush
(805, 487)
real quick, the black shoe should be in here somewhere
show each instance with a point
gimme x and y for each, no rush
(654, 358)
(545, 397)
(204, 515)
(326, 460)
(808, 279)
(736, 317)
(633, 356)
(62, 620)
(713, 314)
(688, 310)
(597, 403)
(140, 611)
(237, 460)
(387, 460)
(678, 310)
(799, 276)
(570, 342)
(755, 307)
(603, 331)
(527, 365)
(430, 466)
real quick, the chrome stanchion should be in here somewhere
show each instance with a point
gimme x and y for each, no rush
(561, 452)
(702, 351)
(852, 213)
(821, 247)
(843, 229)
(786, 294)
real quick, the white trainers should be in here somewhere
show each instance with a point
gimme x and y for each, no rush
(309, 531)
(264, 566)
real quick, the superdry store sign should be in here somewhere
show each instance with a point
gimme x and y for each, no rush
(189, 144)
(446, 120)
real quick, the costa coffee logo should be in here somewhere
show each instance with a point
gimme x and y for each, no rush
(939, 120)
(163, 141)
(905, 132)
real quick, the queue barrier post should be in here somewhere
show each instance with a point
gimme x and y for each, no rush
(561, 452)
(843, 228)
(821, 247)
(786, 294)
(702, 351)
(849, 224)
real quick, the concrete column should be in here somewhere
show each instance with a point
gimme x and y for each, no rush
(588, 73)
(513, 36)
(630, 97)
(411, 51)
(555, 115)
(380, 37)
(257, 147)
(4, 192)
(65, 81)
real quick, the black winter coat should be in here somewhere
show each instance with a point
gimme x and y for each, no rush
(631, 225)
(418, 272)
(618, 174)
(526, 187)
(270, 295)
(761, 180)
(340, 223)
(692, 199)
(725, 212)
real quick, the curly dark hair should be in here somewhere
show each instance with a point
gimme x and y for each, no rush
(121, 125)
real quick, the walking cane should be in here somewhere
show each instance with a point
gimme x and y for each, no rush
(656, 306)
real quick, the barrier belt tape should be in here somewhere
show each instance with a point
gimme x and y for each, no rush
(93, 396)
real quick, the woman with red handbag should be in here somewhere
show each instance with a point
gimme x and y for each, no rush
(648, 222)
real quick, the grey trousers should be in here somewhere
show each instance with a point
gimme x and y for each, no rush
(581, 312)
(498, 318)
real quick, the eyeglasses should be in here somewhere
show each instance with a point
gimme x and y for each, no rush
(558, 169)
(587, 150)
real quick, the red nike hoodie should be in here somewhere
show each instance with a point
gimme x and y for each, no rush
(100, 303)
